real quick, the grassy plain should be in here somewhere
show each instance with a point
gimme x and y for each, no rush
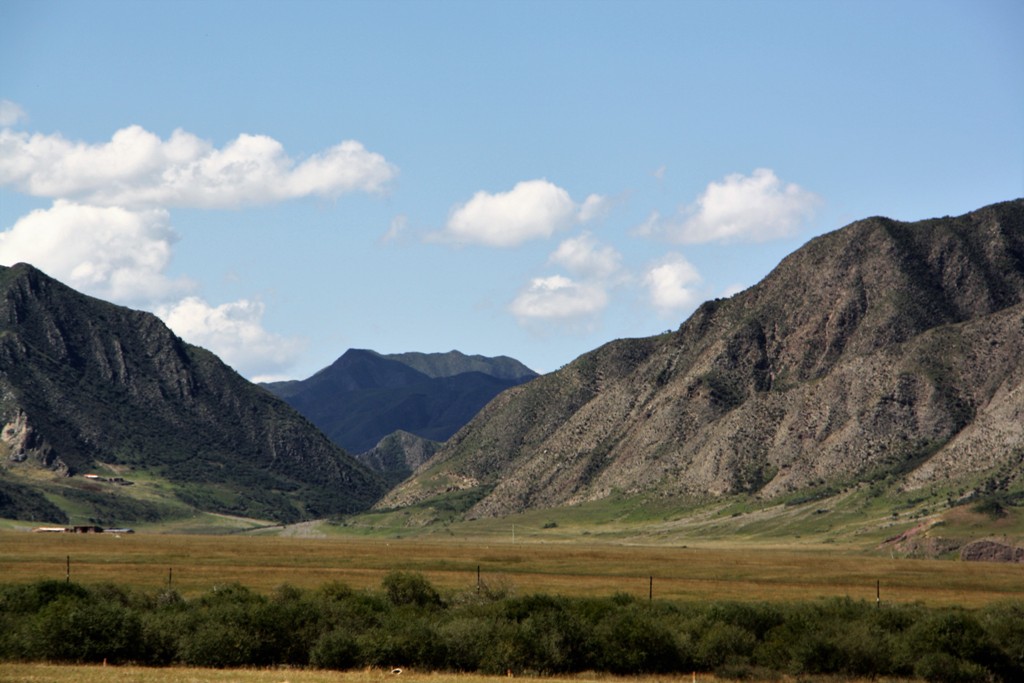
(193, 564)
(53, 673)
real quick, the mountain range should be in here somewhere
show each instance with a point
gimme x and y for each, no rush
(885, 356)
(886, 352)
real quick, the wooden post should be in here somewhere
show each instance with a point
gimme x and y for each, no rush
(478, 578)
(650, 590)
(67, 576)
(170, 577)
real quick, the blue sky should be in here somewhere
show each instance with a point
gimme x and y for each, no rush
(283, 181)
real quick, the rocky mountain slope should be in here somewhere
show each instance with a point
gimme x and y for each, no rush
(87, 384)
(398, 455)
(883, 352)
(365, 396)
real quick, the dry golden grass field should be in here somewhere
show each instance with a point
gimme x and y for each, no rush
(52, 673)
(193, 564)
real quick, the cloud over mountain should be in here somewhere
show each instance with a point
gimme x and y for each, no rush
(235, 330)
(583, 255)
(109, 231)
(533, 209)
(558, 298)
(109, 252)
(670, 284)
(755, 208)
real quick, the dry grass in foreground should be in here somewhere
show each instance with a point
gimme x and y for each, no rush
(53, 673)
(146, 562)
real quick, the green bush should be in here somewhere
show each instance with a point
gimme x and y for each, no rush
(403, 638)
(724, 643)
(408, 624)
(941, 667)
(335, 649)
(84, 630)
(410, 588)
(632, 641)
(1004, 624)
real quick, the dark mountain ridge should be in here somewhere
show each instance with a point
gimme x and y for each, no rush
(884, 351)
(365, 396)
(85, 383)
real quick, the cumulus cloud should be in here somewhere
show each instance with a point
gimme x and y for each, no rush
(583, 256)
(108, 252)
(671, 284)
(235, 332)
(532, 209)
(108, 232)
(755, 208)
(138, 169)
(10, 113)
(558, 298)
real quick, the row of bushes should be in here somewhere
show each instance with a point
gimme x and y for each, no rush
(409, 623)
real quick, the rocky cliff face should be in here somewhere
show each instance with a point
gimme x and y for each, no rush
(84, 382)
(881, 351)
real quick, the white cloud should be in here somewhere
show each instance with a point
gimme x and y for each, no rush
(234, 331)
(108, 232)
(754, 208)
(399, 224)
(670, 284)
(108, 252)
(532, 209)
(733, 289)
(594, 207)
(10, 113)
(558, 298)
(138, 169)
(585, 257)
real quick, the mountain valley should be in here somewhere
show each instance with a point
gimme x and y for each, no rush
(870, 389)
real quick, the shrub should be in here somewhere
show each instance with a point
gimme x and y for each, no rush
(82, 630)
(335, 649)
(403, 638)
(631, 641)
(466, 640)
(940, 667)
(724, 643)
(410, 588)
(1004, 624)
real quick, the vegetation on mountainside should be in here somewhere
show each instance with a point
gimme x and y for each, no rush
(21, 502)
(883, 352)
(410, 623)
(84, 383)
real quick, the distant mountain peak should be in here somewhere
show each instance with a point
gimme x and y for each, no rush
(364, 396)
